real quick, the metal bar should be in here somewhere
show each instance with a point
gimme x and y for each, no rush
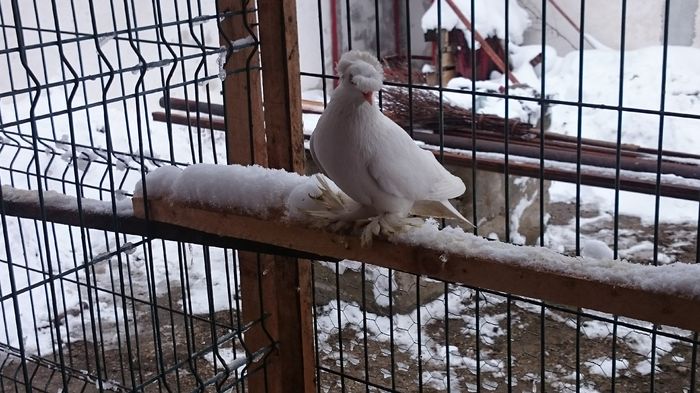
(590, 178)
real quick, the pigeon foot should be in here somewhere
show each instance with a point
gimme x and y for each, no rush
(386, 224)
(335, 204)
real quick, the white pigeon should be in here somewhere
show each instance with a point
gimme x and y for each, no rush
(373, 160)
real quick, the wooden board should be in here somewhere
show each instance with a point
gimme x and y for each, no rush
(270, 134)
(660, 308)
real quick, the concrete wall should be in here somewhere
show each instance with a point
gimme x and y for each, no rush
(309, 41)
(644, 23)
(363, 30)
(696, 40)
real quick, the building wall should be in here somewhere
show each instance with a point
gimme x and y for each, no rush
(696, 41)
(644, 23)
(363, 30)
(644, 27)
(309, 41)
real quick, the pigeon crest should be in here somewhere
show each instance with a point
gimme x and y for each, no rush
(362, 70)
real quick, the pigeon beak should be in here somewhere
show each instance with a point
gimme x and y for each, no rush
(368, 97)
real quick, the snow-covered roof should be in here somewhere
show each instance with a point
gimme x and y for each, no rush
(489, 18)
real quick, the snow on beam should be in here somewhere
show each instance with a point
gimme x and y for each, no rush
(63, 209)
(262, 205)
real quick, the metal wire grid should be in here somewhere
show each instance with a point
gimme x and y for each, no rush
(406, 350)
(85, 309)
(494, 341)
(349, 354)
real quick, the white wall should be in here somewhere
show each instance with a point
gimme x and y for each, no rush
(363, 32)
(696, 41)
(644, 23)
(309, 41)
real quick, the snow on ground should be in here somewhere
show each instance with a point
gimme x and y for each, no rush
(421, 334)
(126, 128)
(641, 91)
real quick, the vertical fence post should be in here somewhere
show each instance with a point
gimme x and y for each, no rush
(245, 133)
(275, 288)
(285, 150)
(245, 145)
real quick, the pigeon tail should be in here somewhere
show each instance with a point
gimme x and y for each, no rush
(438, 209)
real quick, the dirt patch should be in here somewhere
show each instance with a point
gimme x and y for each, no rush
(180, 350)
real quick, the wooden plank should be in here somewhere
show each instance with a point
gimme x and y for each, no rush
(98, 215)
(484, 45)
(293, 303)
(283, 293)
(242, 91)
(245, 144)
(281, 83)
(657, 307)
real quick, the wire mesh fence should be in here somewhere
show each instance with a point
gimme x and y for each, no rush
(86, 309)
(567, 113)
(98, 94)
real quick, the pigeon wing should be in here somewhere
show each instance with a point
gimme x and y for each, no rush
(403, 169)
(313, 155)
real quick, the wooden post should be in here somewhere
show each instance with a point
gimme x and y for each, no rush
(245, 145)
(245, 142)
(281, 79)
(285, 150)
(278, 287)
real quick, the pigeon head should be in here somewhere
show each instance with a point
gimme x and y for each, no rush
(361, 71)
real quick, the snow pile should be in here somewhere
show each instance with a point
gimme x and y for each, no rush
(249, 189)
(641, 90)
(675, 278)
(526, 111)
(488, 19)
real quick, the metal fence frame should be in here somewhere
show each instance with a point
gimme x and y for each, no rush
(272, 324)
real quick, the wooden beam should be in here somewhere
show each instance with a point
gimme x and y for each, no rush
(281, 83)
(245, 141)
(291, 283)
(283, 292)
(98, 215)
(634, 302)
(245, 144)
